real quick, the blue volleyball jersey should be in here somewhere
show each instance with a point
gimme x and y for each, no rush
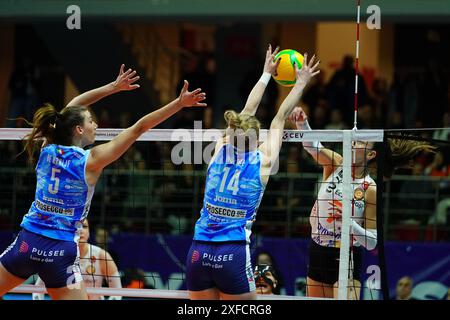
(233, 192)
(63, 196)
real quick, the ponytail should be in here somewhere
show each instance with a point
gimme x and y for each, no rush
(44, 127)
(53, 126)
(400, 152)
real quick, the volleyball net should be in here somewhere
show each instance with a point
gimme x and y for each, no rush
(146, 204)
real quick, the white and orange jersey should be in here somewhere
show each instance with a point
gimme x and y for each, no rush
(325, 220)
(91, 269)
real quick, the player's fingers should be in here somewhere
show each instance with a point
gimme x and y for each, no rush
(131, 74)
(196, 91)
(127, 73)
(276, 50)
(185, 87)
(278, 62)
(311, 61)
(305, 58)
(134, 79)
(315, 66)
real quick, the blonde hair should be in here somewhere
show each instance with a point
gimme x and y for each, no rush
(245, 122)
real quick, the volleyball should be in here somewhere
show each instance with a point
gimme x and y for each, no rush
(286, 69)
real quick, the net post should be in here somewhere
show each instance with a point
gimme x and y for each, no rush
(344, 254)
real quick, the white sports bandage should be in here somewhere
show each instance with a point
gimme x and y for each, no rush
(114, 282)
(265, 78)
(366, 237)
(313, 147)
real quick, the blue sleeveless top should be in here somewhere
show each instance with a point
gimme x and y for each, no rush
(233, 192)
(63, 196)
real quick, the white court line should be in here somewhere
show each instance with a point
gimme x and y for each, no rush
(148, 293)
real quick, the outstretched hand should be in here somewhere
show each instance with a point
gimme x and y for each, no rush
(270, 65)
(298, 116)
(126, 80)
(308, 70)
(191, 98)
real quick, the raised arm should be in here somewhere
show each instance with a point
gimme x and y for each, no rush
(367, 234)
(327, 158)
(272, 146)
(125, 82)
(255, 96)
(104, 154)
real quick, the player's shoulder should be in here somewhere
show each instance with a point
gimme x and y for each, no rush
(103, 254)
(65, 151)
(371, 190)
(95, 251)
(372, 185)
(75, 150)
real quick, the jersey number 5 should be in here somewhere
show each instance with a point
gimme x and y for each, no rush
(233, 185)
(53, 188)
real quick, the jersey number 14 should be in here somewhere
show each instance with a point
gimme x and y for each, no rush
(233, 184)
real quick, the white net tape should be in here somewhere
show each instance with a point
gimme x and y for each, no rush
(214, 134)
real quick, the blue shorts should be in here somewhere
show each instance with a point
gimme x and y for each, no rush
(223, 265)
(56, 262)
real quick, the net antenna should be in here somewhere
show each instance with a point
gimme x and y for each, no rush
(355, 121)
